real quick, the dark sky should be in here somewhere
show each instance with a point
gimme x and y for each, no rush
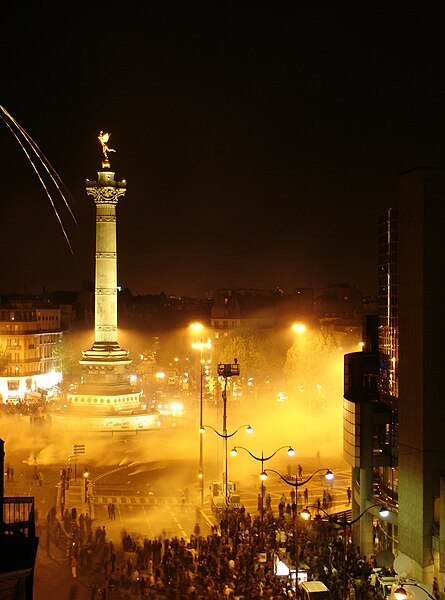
(260, 141)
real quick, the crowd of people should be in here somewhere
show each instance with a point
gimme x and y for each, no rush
(236, 560)
(26, 406)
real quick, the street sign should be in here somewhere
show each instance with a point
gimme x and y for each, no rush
(228, 370)
(78, 449)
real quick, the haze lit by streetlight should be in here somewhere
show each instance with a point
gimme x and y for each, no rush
(202, 345)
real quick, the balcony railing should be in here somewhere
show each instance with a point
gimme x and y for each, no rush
(18, 516)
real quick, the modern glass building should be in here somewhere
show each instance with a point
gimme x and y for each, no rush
(393, 408)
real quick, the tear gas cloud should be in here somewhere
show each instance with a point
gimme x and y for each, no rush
(308, 419)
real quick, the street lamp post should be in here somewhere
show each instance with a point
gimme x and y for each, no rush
(262, 459)
(329, 475)
(85, 475)
(383, 513)
(200, 346)
(226, 371)
(225, 436)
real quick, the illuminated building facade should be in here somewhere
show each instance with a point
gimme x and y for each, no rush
(386, 476)
(393, 409)
(29, 335)
(388, 307)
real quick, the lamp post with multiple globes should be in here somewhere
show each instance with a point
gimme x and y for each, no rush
(345, 524)
(329, 475)
(227, 370)
(262, 459)
(225, 436)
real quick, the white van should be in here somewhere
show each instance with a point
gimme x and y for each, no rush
(314, 590)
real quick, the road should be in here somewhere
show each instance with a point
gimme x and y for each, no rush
(149, 504)
(153, 497)
(148, 491)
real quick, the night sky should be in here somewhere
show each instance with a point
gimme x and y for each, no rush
(260, 141)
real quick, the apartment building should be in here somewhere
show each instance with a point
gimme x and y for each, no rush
(29, 335)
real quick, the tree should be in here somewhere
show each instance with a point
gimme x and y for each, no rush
(311, 359)
(258, 354)
(245, 350)
(68, 353)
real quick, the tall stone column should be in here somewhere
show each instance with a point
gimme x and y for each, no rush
(105, 366)
(105, 388)
(106, 193)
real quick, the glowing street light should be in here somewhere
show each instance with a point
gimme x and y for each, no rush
(299, 327)
(249, 429)
(200, 346)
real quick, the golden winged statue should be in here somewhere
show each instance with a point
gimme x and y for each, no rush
(103, 139)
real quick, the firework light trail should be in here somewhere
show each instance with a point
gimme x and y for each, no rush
(8, 119)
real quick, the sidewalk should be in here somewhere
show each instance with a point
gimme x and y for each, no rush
(52, 576)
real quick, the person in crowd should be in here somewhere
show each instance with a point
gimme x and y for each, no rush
(224, 563)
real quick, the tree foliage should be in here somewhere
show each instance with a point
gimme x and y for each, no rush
(245, 350)
(312, 358)
(258, 355)
(68, 353)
